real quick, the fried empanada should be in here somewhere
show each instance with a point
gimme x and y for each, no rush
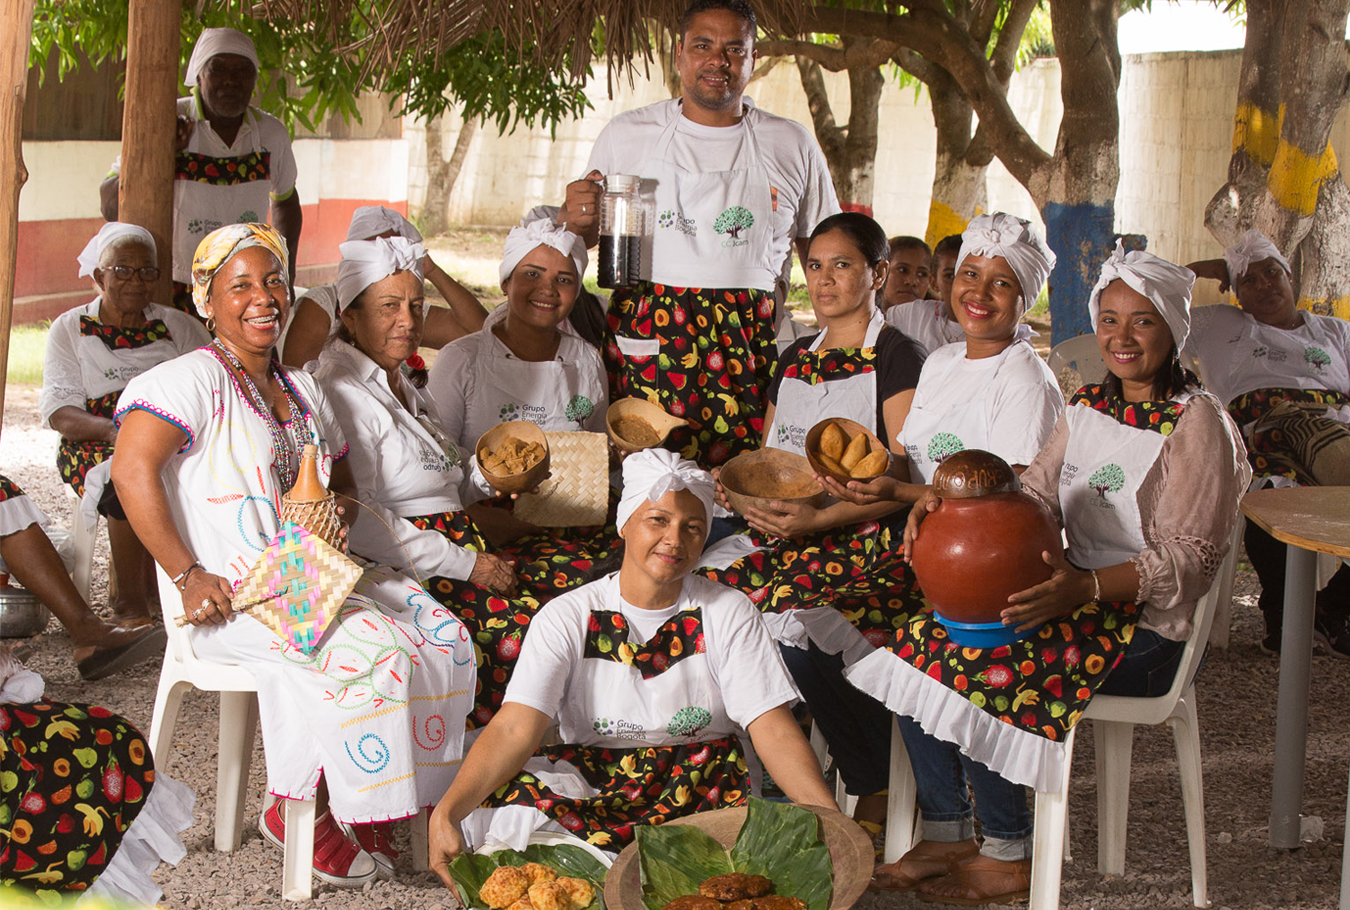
(857, 449)
(832, 441)
(871, 465)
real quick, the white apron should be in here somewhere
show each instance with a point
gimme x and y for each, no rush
(1277, 359)
(199, 207)
(1104, 465)
(514, 389)
(713, 228)
(802, 405)
(931, 436)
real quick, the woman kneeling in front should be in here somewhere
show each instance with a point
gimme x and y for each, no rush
(649, 673)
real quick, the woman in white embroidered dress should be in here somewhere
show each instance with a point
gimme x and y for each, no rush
(1144, 471)
(371, 720)
(93, 351)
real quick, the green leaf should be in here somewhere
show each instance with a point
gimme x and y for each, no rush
(783, 843)
(469, 871)
(674, 859)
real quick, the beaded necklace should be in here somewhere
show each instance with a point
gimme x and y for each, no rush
(284, 446)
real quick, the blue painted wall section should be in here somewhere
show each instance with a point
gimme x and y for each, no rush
(1082, 236)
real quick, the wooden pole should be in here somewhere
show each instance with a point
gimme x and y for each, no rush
(149, 127)
(16, 23)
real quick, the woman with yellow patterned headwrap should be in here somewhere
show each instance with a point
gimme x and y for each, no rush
(375, 715)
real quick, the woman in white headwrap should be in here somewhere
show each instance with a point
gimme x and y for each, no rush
(1284, 375)
(1166, 463)
(315, 315)
(651, 674)
(93, 351)
(370, 721)
(410, 475)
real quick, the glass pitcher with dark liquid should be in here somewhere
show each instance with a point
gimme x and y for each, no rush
(623, 225)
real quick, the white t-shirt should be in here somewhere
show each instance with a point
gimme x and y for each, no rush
(1238, 354)
(742, 663)
(400, 467)
(79, 368)
(921, 320)
(1016, 390)
(798, 173)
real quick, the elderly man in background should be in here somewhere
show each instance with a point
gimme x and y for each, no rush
(233, 162)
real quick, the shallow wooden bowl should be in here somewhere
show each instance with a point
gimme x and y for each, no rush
(850, 853)
(513, 483)
(754, 479)
(660, 420)
(851, 428)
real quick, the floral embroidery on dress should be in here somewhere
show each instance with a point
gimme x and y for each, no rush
(608, 632)
(116, 338)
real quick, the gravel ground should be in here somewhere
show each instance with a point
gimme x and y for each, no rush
(1236, 702)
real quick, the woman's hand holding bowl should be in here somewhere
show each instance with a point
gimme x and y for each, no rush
(880, 489)
(1065, 590)
(784, 519)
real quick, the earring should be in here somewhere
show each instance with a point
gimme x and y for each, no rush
(211, 324)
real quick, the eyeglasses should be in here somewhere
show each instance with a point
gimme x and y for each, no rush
(149, 274)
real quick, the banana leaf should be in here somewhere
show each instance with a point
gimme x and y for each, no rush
(470, 870)
(779, 841)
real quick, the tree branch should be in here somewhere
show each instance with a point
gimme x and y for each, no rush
(1003, 59)
(864, 53)
(917, 66)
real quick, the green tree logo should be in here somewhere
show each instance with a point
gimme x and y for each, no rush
(689, 721)
(733, 221)
(1317, 358)
(944, 446)
(579, 408)
(1109, 478)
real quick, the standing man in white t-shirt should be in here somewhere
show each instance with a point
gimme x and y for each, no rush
(732, 188)
(233, 163)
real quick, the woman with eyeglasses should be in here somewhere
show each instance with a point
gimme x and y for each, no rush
(93, 351)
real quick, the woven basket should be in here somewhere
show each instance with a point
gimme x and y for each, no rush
(577, 493)
(309, 503)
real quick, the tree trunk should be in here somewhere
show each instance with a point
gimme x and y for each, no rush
(149, 125)
(959, 190)
(1283, 177)
(442, 173)
(850, 151)
(16, 24)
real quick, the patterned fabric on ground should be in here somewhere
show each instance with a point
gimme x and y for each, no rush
(716, 357)
(1286, 445)
(647, 785)
(72, 780)
(75, 459)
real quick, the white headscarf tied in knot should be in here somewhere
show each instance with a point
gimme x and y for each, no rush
(1253, 247)
(1166, 285)
(370, 221)
(114, 230)
(652, 473)
(365, 262)
(522, 240)
(216, 41)
(1016, 240)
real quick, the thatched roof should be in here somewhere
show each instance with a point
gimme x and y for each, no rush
(556, 33)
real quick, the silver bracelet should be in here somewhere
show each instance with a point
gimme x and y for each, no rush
(181, 578)
(1096, 586)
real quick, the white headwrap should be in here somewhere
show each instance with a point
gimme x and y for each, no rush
(1253, 247)
(1015, 240)
(370, 221)
(214, 42)
(93, 250)
(1165, 284)
(652, 473)
(365, 262)
(523, 240)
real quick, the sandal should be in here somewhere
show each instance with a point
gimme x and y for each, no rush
(337, 860)
(104, 662)
(927, 859)
(980, 880)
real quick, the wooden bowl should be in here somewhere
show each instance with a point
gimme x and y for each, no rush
(513, 483)
(656, 417)
(851, 429)
(850, 852)
(754, 479)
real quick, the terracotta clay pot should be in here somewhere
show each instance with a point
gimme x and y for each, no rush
(984, 542)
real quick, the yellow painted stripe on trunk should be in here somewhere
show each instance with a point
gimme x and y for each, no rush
(1296, 178)
(1257, 132)
(943, 221)
(1336, 306)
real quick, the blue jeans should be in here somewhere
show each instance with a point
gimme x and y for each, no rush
(855, 725)
(719, 528)
(941, 772)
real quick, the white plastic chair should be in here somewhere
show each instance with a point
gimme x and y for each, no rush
(1081, 355)
(1113, 718)
(183, 670)
(84, 538)
(1223, 609)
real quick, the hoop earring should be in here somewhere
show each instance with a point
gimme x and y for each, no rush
(211, 324)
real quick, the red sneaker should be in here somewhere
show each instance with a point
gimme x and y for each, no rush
(337, 860)
(377, 839)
